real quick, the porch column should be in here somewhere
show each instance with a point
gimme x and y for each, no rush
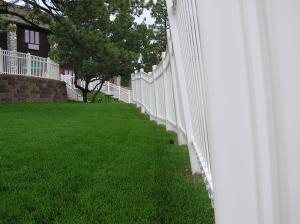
(12, 38)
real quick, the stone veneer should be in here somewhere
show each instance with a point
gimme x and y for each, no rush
(20, 89)
(12, 38)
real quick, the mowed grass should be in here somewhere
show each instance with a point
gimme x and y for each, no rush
(94, 163)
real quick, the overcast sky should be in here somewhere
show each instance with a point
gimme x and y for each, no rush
(146, 14)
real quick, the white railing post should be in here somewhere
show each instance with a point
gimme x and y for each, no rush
(119, 92)
(49, 68)
(108, 87)
(129, 96)
(138, 88)
(142, 88)
(156, 93)
(166, 87)
(153, 97)
(28, 61)
(1, 61)
(133, 89)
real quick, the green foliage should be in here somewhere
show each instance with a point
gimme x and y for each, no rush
(160, 26)
(3, 25)
(82, 38)
(97, 37)
(77, 163)
(95, 45)
(100, 38)
(154, 37)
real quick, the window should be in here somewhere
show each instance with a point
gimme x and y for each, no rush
(32, 37)
(37, 38)
(26, 36)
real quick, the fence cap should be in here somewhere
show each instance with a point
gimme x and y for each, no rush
(141, 70)
(136, 71)
(154, 67)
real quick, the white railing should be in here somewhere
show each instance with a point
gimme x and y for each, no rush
(16, 63)
(229, 86)
(73, 94)
(118, 92)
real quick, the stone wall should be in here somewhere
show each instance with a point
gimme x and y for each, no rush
(12, 38)
(19, 89)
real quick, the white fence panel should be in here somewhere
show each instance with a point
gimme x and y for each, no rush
(118, 92)
(229, 87)
(16, 63)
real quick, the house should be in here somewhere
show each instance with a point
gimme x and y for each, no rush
(23, 37)
(26, 38)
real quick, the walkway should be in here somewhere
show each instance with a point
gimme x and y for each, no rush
(94, 163)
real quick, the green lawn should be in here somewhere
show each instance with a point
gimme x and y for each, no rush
(94, 163)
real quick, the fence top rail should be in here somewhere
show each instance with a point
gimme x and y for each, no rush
(148, 77)
(117, 87)
(157, 70)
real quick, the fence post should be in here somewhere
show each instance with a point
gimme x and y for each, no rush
(182, 82)
(108, 87)
(119, 92)
(129, 96)
(136, 89)
(166, 86)
(142, 83)
(28, 61)
(176, 92)
(132, 87)
(1, 61)
(48, 73)
(156, 94)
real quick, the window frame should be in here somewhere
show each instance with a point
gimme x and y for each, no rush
(32, 37)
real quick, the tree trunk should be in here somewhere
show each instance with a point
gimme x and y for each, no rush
(84, 96)
(97, 92)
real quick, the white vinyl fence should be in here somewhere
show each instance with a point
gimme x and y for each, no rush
(118, 92)
(229, 86)
(161, 95)
(16, 63)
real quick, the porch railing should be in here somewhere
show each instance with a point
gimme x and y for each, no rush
(16, 63)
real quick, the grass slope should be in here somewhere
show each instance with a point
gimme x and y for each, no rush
(93, 163)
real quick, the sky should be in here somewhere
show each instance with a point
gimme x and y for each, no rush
(146, 14)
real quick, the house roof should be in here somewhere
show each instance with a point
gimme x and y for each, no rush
(23, 11)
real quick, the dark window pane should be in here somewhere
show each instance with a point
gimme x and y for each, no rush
(32, 37)
(37, 38)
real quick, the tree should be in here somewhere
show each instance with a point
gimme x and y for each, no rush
(92, 49)
(148, 56)
(154, 37)
(160, 26)
(99, 38)
(84, 36)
